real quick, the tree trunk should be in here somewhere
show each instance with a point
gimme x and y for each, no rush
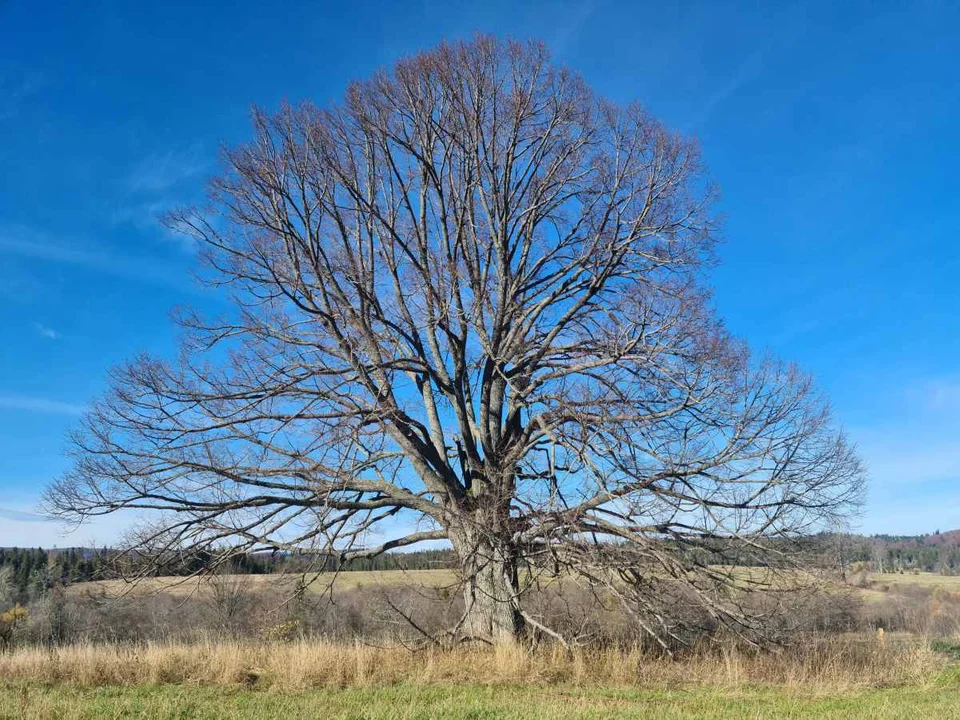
(490, 588)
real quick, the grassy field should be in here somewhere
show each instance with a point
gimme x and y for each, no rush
(878, 585)
(929, 580)
(437, 578)
(853, 676)
(827, 663)
(342, 581)
(830, 677)
(33, 702)
(875, 588)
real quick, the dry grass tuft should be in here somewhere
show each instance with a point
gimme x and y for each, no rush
(829, 664)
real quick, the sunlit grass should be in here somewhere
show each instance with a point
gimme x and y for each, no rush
(409, 702)
(828, 662)
(342, 581)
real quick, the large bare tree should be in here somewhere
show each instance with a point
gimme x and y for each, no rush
(469, 306)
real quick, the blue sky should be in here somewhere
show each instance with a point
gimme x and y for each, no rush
(830, 128)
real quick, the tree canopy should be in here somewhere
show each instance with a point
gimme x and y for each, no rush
(469, 304)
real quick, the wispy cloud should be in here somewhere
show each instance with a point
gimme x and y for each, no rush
(17, 86)
(913, 476)
(142, 215)
(21, 527)
(147, 216)
(943, 394)
(25, 242)
(918, 439)
(26, 403)
(159, 172)
(156, 184)
(746, 72)
(22, 516)
(897, 462)
(912, 452)
(570, 19)
(46, 332)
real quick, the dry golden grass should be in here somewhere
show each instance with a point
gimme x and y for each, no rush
(437, 578)
(829, 664)
(923, 580)
(180, 587)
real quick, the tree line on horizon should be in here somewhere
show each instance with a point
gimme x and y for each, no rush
(29, 573)
(32, 572)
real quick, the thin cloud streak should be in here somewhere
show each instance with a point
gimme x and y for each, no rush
(159, 183)
(16, 88)
(21, 516)
(46, 332)
(24, 403)
(747, 71)
(161, 171)
(944, 395)
(30, 244)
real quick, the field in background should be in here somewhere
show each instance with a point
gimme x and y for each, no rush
(342, 581)
(871, 585)
(915, 579)
(910, 588)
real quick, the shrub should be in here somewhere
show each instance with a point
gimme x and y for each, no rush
(9, 622)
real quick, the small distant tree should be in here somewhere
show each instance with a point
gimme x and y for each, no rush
(10, 620)
(229, 597)
(8, 589)
(469, 306)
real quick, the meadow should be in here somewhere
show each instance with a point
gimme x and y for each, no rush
(442, 702)
(344, 581)
(878, 677)
(901, 658)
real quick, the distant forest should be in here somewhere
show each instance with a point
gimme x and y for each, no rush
(936, 552)
(31, 572)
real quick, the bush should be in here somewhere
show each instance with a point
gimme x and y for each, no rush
(10, 621)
